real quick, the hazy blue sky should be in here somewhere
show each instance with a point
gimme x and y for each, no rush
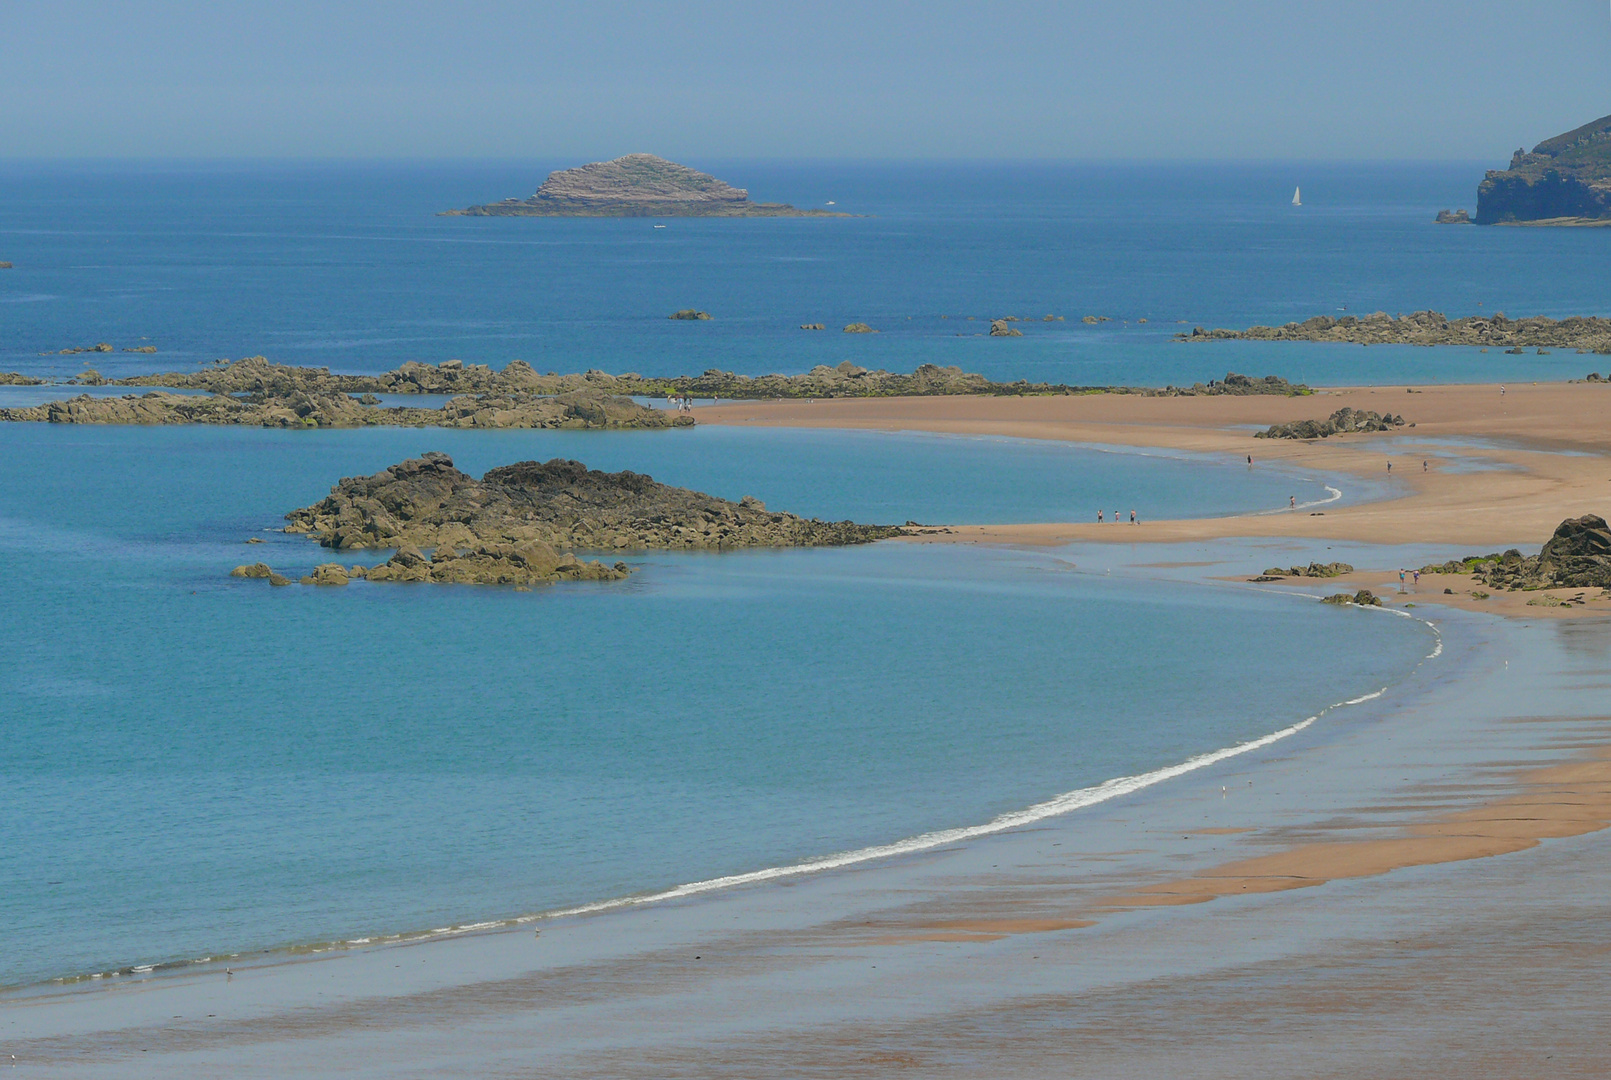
(866, 79)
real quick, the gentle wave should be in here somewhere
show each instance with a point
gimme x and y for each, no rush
(1067, 802)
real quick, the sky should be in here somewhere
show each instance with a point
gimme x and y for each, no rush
(870, 79)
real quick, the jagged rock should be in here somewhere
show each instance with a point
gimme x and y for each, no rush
(999, 328)
(260, 570)
(689, 315)
(1095, 319)
(315, 409)
(813, 326)
(1458, 217)
(12, 378)
(637, 185)
(427, 503)
(1343, 421)
(141, 349)
(5, 266)
(1592, 333)
(859, 328)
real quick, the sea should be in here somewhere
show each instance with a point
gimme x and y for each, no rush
(195, 767)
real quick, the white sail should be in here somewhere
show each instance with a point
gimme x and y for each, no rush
(1295, 200)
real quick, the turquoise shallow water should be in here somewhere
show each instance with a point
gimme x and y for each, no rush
(192, 764)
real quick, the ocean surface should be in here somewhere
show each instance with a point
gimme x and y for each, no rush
(193, 765)
(349, 266)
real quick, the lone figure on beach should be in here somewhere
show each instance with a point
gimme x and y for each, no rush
(1389, 466)
(1250, 459)
(1292, 501)
(1132, 517)
(1099, 517)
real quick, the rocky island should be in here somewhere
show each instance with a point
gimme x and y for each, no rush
(1564, 181)
(516, 524)
(1584, 333)
(254, 375)
(427, 503)
(638, 185)
(1344, 421)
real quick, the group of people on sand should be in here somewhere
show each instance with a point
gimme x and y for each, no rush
(1117, 518)
(683, 404)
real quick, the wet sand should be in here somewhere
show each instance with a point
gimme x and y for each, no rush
(1415, 885)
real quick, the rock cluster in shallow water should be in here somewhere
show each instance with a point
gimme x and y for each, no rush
(1342, 422)
(426, 503)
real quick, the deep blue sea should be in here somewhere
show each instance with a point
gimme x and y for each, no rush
(195, 765)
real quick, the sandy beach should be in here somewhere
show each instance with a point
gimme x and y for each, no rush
(1411, 884)
(1502, 468)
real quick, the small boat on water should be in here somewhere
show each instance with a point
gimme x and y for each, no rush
(1295, 200)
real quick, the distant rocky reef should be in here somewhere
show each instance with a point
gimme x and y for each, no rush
(12, 378)
(1577, 556)
(1564, 181)
(1453, 217)
(1345, 421)
(258, 375)
(298, 408)
(1584, 333)
(638, 185)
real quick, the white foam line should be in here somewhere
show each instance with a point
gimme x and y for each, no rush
(1335, 494)
(1061, 804)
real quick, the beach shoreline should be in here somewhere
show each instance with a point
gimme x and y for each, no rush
(1266, 896)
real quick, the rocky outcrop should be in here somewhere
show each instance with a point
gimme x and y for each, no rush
(1344, 421)
(318, 409)
(12, 378)
(859, 328)
(1000, 328)
(1577, 556)
(638, 185)
(1362, 598)
(1565, 180)
(427, 503)
(1455, 217)
(1591, 334)
(689, 315)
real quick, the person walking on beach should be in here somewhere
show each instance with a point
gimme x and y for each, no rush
(1389, 466)
(1292, 501)
(1417, 576)
(1099, 517)
(1250, 459)
(1423, 466)
(1132, 517)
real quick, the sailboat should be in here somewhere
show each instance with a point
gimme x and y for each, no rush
(1295, 200)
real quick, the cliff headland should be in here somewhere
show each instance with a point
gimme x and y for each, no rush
(1564, 181)
(638, 185)
(1590, 334)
